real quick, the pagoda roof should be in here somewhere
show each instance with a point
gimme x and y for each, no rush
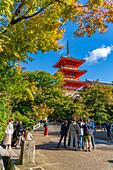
(72, 70)
(93, 82)
(74, 83)
(68, 58)
(69, 71)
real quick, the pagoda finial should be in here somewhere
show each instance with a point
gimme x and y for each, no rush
(67, 47)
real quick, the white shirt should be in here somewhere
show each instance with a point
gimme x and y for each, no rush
(9, 128)
(29, 136)
(81, 129)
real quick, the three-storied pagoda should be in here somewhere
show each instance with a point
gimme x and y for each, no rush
(69, 67)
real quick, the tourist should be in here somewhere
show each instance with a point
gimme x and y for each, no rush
(46, 128)
(87, 135)
(69, 138)
(81, 134)
(27, 135)
(15, 133)
(19, 129)
(110, 135)
(108, 129)
(8, 134)
(92, 136)
(73, 131)
(93, 125)
(63, 133)
(104, 125)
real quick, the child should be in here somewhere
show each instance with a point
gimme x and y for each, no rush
(27, 135)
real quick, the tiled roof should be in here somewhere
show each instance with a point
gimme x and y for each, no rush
(99, 82)
(74, 81)
(70, 57)
(72, 69)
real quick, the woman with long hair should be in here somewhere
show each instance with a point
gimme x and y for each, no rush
(27, 135)
(8, 134)
(19, 129)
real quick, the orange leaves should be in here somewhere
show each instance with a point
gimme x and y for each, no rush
(94, 15)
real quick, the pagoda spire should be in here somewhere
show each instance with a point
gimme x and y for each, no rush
(67, 47)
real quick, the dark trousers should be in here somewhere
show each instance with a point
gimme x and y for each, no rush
(108, 133)
(62, 135)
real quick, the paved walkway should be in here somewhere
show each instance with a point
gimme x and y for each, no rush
(49, 157)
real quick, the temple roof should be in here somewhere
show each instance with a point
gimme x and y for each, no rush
(72, 70)
(99, 82)
(75, 81)
(68, 58)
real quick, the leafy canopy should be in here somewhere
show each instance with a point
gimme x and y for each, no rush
(27, 26)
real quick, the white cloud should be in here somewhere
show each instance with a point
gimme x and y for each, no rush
(99, 53)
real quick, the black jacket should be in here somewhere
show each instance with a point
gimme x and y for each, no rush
(63, 129)
(19, 129)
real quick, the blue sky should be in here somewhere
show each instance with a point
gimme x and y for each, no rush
(97, 50)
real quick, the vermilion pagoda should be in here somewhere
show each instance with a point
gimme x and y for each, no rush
(69, 66)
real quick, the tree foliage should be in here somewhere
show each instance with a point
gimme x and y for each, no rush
(27, 26)
(98, 102)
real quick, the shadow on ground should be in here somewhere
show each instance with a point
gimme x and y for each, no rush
(48, 146)
(104, 148)
(102, 136)
(110, 161)
(54, 133)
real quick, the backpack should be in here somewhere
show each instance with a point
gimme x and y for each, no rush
(87, 130)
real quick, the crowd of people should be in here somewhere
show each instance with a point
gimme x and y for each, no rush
(80, 134)
(14, 134)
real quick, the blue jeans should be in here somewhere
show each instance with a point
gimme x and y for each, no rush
(104, 128)
(81, 139)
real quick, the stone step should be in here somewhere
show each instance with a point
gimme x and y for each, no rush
(8, 153)
(1, 164)
(4, 152)
(12, 153)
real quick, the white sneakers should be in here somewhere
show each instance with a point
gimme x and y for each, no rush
(17, 147)
(7, 147)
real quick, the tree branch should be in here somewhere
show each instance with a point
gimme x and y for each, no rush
(19, 8)
(14, 21)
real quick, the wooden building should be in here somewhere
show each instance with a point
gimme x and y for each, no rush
(69, 66)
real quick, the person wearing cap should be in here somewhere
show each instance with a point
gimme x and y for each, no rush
(93, 125)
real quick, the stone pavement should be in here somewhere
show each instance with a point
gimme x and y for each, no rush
(49, 157)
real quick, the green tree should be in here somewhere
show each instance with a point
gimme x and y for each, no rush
(14, 83)
(3, 117)
(98, 102)
(100, 113)
(27, 26)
